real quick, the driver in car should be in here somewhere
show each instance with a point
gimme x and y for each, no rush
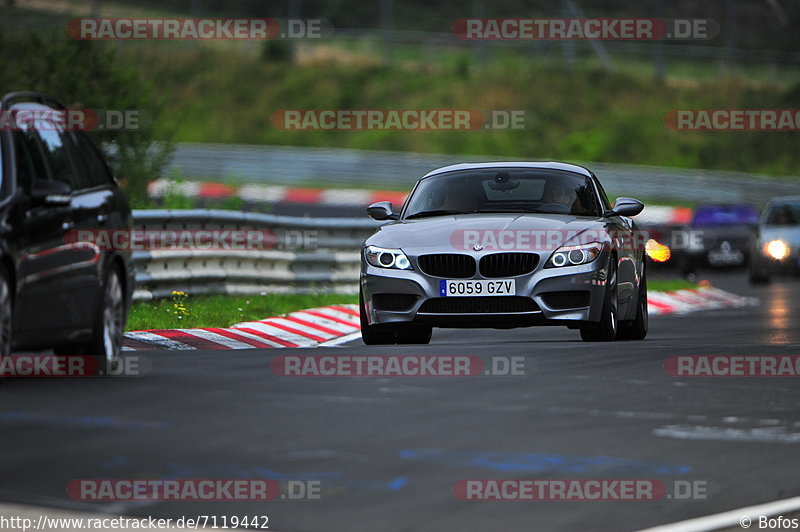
(558, 192)
(460, 197)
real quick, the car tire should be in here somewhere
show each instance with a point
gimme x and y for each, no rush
(106, 346)
(637, 329)
(414, 334)
(606, 330)
(6, 312)
(756, 276)
(373, 334)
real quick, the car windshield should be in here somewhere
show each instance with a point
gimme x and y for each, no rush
(500, 190)
(784, 214)
(725, 216)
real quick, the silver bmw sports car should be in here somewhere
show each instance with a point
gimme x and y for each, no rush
(502, 245)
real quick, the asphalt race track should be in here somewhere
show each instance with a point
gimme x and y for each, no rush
(388, 451)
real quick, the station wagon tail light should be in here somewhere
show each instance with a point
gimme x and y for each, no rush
(387, 258)
(574, 255)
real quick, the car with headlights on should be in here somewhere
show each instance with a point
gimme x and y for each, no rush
(775, 244)
(503, 245)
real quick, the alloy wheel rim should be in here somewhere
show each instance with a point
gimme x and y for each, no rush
(112, 318)
(613, 295)
(5, 319)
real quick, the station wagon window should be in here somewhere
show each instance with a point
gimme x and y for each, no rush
(92, 168)
(29, 160)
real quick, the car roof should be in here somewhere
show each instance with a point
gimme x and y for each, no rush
(550, 165)
(780, 199)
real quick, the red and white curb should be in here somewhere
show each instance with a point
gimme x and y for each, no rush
(337, 324)
(323, 326)
(274, 193)
(694, 300)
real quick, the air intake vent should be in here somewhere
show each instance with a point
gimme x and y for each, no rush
(478, 305)
(395, 302)
(508, 264)
(447, 265)
(564, 300)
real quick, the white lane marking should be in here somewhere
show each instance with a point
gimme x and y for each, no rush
(697, 432)
(341, 340)
(330, 324)
(254, 337)
(343, 196)
(275, 331)
(666, 298)
(732, 518)
(230, 343)
(266, 193)
(161, 341)
(300, 327)
(340, 314)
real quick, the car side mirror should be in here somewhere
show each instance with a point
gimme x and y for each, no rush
(381, 211)
(626, 207)
(50, 192)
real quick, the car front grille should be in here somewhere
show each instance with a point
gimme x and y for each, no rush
(478, 305)
(448, 265)
(564, 300)
(394, 302)
(508, 264)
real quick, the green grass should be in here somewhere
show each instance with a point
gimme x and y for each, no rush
(669, 285)
(222, 311)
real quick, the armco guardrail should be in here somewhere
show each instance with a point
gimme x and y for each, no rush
(330, 263)
(286, 165)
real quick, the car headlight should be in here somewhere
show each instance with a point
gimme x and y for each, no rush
(777, 249)
(574, 255)
(387, 258)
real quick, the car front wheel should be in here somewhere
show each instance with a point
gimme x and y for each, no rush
(606, 330)
(637, 329)
(372, 334)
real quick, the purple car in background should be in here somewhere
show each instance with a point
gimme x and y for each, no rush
(718, 237)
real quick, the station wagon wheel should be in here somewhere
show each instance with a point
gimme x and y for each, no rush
(6, 308)
(107, 343)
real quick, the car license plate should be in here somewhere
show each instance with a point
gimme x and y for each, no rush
(725, 257)
(497, 287)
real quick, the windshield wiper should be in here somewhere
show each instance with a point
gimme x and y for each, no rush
(511, 209)
(439, 212)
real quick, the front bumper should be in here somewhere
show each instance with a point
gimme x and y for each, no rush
(537, 287)
(790, 265)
